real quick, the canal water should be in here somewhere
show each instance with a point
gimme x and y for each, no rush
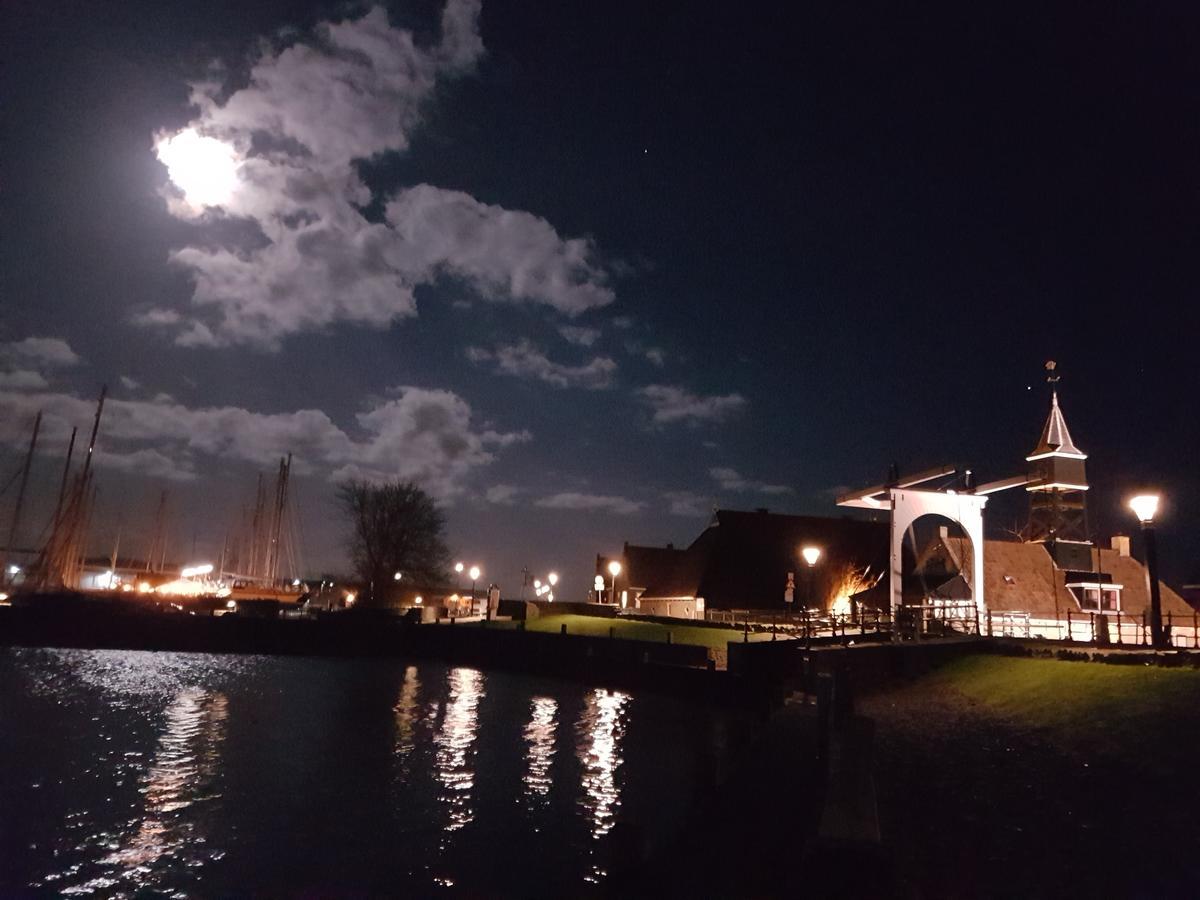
(127, 773)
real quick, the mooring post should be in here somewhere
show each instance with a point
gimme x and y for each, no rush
(562, 629)
(612, 631)
(668, 636)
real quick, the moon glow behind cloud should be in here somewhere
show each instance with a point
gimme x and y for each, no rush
(203, 168)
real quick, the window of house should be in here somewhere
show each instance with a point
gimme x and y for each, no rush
(1097, 598)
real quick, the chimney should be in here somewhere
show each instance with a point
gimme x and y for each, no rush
(670, 546)
(1120, 543)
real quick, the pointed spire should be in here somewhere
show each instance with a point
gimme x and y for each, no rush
(1056, 439)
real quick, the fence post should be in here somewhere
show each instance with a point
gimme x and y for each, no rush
(562, 629)
(1070, 634)
(1118, 628)
(1170, 631)
(1092, 625)
(746, 633)
(989, 622)
(668, 635)
(1143, 641)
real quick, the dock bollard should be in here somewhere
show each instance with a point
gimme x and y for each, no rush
(668, 637)
(612, 631)
(563, 628)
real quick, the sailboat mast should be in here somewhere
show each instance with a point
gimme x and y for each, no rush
(16, 518)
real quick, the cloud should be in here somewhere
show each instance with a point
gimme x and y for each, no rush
(656, 355)
(675, 404)
(620, 506)
(686, 503)
(502, 494)
(732, 480)
(40, 352)
(308, 113)
(524, 360)
(22, 380)
(580, 334)
(420, 434)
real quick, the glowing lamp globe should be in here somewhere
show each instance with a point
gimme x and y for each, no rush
(458, 567)
(614, 568)
(552, 578)
(811, 555)
(474, 573)
(1144, 506)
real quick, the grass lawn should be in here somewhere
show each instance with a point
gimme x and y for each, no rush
(594, 626)
(1121, 711)
(1014, 777)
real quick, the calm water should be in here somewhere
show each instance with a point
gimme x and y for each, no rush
(143, 774)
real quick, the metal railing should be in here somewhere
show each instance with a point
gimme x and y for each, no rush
(1113, 628)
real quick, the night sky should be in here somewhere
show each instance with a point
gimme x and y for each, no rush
(586, 270)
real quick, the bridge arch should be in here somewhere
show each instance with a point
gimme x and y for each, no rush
(966, 510)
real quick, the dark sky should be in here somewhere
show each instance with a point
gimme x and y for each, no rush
(611, 266)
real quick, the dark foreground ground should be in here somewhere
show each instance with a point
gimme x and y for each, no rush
(1003, 777)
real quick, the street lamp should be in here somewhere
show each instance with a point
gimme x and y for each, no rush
(1145, 506)
(614, 569)
(474, 573)
(811, 555)
(397, 576)
(553, 579)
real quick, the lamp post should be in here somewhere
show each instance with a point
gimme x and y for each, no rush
(614, 569)
(1144, 507)
(811, 555)
(474, 573)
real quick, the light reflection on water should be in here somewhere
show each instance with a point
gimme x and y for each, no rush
(167, 836)
(407, 711)
(454, 759)
(601, 729)
(163, 774)
(539, 749)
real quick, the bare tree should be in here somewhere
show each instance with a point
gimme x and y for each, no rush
(395, 527)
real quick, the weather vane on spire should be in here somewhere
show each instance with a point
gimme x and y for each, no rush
(1052, 375)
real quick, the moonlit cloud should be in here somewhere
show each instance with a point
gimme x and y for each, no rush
(309, 111)
(731, 480)
(501, 494)
(621, 506)
(687, 503)
(22, 380)
(424, 435)
(675, 404)
(40, 352)
(580, 334)
(526, 361)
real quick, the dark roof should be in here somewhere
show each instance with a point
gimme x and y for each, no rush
(742, 560)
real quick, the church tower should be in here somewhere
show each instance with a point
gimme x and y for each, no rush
(1057, 490)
